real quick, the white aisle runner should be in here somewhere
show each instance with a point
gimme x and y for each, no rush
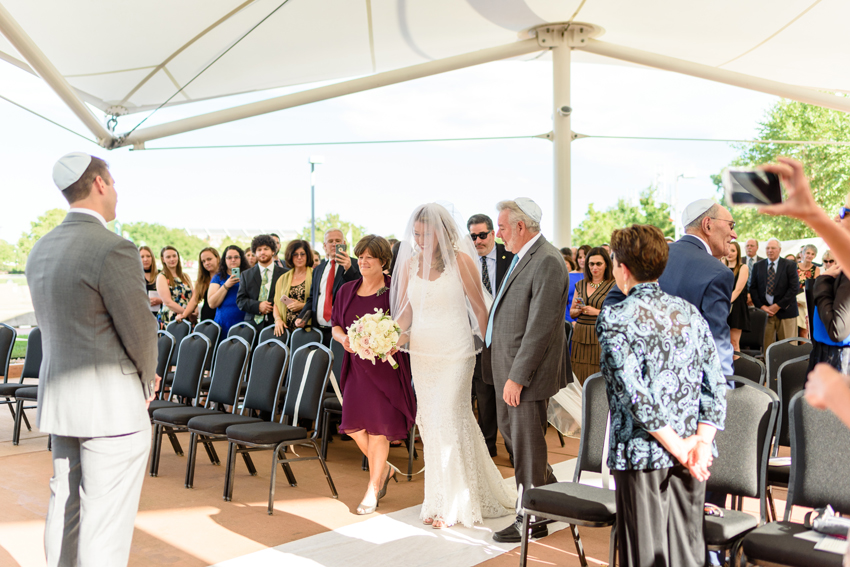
(398, 539)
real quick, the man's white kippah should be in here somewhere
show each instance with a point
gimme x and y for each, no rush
(695, 209)
(69, 169)
(530, 208)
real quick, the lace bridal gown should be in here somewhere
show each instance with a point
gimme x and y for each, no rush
(462, 484)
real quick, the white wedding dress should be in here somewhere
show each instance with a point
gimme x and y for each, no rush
(462, 484)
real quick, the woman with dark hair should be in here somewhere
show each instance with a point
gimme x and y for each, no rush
(208, 263)
(581, 256)
(666, 393)
(589, 296)
(224, 287)
(379, 405)
(250, 258)
(173, 286)
(293, 287)
(149, 266)
(739, 316)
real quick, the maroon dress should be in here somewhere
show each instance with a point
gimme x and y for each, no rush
(375, 398)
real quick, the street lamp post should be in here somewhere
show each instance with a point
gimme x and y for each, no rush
(314, 160)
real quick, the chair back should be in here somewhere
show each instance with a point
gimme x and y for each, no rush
(244, 330)
(212, 331)
(179, 330)
(753, 340)
(190, 366)
(268, 370)
(32, 362)
(230, 365)
(781, 352)
(308, 377)
(791, 379)
(8, 336)
(568, 331)
(268, 333)
(820, 459)
(164, 348)
(743, 445)
(750, 368)
(339, 353)
(301, 337)
(594, 420)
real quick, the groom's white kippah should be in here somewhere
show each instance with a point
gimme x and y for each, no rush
(530, 208)
(69, 169)
(694, 210)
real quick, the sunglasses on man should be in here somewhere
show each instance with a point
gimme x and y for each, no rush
(485, 234)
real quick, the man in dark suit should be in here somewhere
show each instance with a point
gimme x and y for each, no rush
(695, 273)
(495, 261)
(256, 285)
(751, 249)
(328, 277)
(774, 289)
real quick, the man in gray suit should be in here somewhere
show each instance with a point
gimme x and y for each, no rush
(526, 346)
(98, 372)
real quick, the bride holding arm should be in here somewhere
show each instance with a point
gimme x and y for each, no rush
(442, 308)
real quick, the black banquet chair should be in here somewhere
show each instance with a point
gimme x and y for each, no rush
(820, 459)
(28, 393)
(781, 352)
(308, 377)
(752, 341)
(268, 333)
(8, 336)
(301, 337)
(244, 330)
(750, 368)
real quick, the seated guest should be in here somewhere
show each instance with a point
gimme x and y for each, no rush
(173, 286)
(257, 285)
(773, 289)
(666, 392)
(328, 277)
(379, 405)
(225, 286)
(149, 265)
(251, 259)
(208, 262)
(590, 294)
(739, 316)
(293, 287)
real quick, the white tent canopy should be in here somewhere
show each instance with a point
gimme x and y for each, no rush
(130, 58)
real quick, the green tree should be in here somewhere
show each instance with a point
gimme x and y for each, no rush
(38, 228)
(353, 232)
(597, 226)
(7, 256)
(828, 167)
(157, 236)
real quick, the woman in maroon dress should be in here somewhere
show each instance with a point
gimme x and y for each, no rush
(378, 405)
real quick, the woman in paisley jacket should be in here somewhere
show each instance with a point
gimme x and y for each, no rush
(666, 392)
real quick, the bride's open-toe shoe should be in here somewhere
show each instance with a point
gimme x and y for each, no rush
(428, 521)
(439, 524)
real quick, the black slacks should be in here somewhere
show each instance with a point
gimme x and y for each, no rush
(660, 518)
(486, 396)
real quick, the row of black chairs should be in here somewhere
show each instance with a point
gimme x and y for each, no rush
(19, 394)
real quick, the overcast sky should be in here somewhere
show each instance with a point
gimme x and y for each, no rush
(378, 185)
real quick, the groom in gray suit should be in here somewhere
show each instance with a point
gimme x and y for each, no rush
(98, 370)
(526, 347)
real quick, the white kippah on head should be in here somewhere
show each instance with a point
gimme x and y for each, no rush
(69, 169)
(530, 208)
(694, 210)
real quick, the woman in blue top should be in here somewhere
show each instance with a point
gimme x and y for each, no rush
(575, 276)
(667, 396)
(223, 289)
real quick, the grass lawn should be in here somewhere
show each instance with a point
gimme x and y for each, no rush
(20, 348)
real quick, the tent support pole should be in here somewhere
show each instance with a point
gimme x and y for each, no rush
(562, 235)
(793, 92)
(498, 53)
(45, 69)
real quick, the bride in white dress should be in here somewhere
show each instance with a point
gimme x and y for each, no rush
(441, 305)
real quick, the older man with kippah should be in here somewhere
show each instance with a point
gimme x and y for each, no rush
(98, 371)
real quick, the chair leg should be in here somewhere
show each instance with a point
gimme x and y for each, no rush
(579, 547)
(178, 450)
(771, 507)
(50, 442)
(229, 476)
(26, 422)
(289, 475)
(612, 545)
(275, 461)
(411, 450)
(156, 448)
(252, 470)
(325, 468)
(364, 464)
(190, 462)
(560, 438)
(526, 530)
(325, 426)
(210, 452)
(16, 434)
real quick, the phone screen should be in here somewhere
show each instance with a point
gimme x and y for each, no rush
(752, 187)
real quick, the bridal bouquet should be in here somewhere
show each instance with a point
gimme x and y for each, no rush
(374, 335)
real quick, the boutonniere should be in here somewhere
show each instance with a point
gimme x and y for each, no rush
(503, 257)
(383, 290)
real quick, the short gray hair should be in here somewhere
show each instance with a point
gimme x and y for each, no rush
(696, 224)
(778, 243)
(515, 215)
(330, 230)
(811, 247)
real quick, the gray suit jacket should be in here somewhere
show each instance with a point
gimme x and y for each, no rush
(529, 342)
(98, 336)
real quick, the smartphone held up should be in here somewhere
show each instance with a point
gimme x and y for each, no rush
(752, 187)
